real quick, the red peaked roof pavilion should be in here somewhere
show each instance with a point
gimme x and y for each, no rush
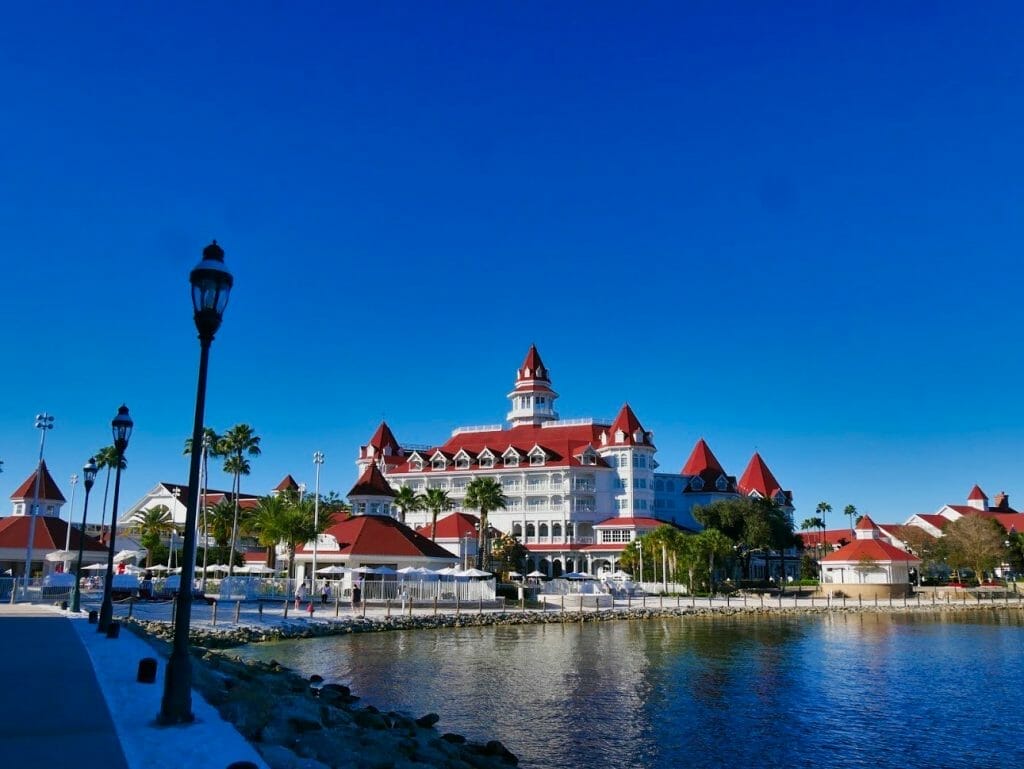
(47, 487)
(380, 536)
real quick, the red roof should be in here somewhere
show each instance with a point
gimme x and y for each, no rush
(287, 484)
(938, 521)
(383, 439)
(453, 526)
(50, 534)
(255, 556)
(47, 487)
(533, 370)
(701, 459)
(563, 445)
(977, 493)
(1009, 521)
(371, 483)
(380, 536)
(833, 537)
(627, 422)
(865, 524)
(640, 523)
(870, 549)
(757, 477)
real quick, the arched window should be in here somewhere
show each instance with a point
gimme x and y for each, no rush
(517, 530)
(556, 530)
(530, 530)
(543, 530)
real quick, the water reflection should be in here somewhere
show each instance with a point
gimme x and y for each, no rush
(841, 690)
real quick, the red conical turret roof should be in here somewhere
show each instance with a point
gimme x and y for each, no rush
(757, 477)
(977, 493)
(372, 484)
(47, 486)
(287, 484)
(627, 422)
(384, 438)
(865, 524)
(701, 459)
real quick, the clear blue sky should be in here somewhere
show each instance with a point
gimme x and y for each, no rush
(797, 230)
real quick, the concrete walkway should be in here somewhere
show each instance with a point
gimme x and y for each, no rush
(53, 711)
(70, 698)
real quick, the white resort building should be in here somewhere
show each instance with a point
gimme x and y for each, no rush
(578, 490)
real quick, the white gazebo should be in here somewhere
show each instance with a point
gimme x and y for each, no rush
(868, 567)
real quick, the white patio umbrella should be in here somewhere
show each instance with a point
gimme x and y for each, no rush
(514, 574)
(61, 555)
(158, 567)
(260, 568)
(447, 571)
(536, 573)
(365, 570)
(95, 567)
(409, 570)
(127, 555)
(333, 570)
(474, 573)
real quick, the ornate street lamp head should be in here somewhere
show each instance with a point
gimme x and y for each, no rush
(211, 286)
(89, 470)
(122, 426)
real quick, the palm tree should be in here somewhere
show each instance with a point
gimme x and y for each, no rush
(219, 519)
(107, 457)
(822, 509)
(238, 442)
(850, 511)
(291, 521)
(153, 524)
(210, 442)
(484, 494)
(712, 542)
(407, 500)
(815, 523)
(436, 501)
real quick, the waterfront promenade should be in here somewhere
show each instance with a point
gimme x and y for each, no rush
(70, 698)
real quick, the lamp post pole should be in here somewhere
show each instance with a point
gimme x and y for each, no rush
(44, 422)
(121, 426)
(211, 286)
(318, 459)
(71, 513)
(89, 473)
(205, 471)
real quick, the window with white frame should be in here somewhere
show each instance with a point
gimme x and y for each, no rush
(416, 464)
(439, 464)
(462, 463)
(696, 483)
(721, 484)
(622, 503)
(615, 535)
(511, 460)
(537, 458)
(487, 461)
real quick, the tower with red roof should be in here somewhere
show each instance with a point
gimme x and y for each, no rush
(758, 481)
(50, 498)
(371, 494)
(532, 399)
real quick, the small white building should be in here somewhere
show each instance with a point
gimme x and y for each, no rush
(868, 567)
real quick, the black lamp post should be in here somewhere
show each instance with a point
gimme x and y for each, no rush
(211, 286)
(121, 426)
(89, 473)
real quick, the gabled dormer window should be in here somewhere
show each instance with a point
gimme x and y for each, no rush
(537, 456)
(462, 460)
(722, 484)
(697, 483)
(486, 460)
(511, 458)
(604, 438)
(638, 436)
(415, 462)
(619, 436)
(439, 464)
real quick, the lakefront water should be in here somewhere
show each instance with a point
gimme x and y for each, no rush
(869, 690)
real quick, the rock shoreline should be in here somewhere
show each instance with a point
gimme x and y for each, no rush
(299, 723)
(238, 635)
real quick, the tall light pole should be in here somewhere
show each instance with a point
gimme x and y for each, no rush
(318, 459)
(44, 422)
(121, 426)
(89, 473)
(71, 513)
(211, 286)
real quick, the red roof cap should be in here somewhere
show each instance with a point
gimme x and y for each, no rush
(47, 487)
(380, 536)
(287, 484)
(453, 526)
(372, 484)
(757, 477)
(977, 493)
(870, 549)
(384, 438)
(865, 524)
(627, 422)
(701, 459)
(533, 367)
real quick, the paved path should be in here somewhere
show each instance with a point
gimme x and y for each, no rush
(53, 712)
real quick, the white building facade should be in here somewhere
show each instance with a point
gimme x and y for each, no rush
(561, 477)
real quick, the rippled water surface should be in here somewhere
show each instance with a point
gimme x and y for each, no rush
(841, 691)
